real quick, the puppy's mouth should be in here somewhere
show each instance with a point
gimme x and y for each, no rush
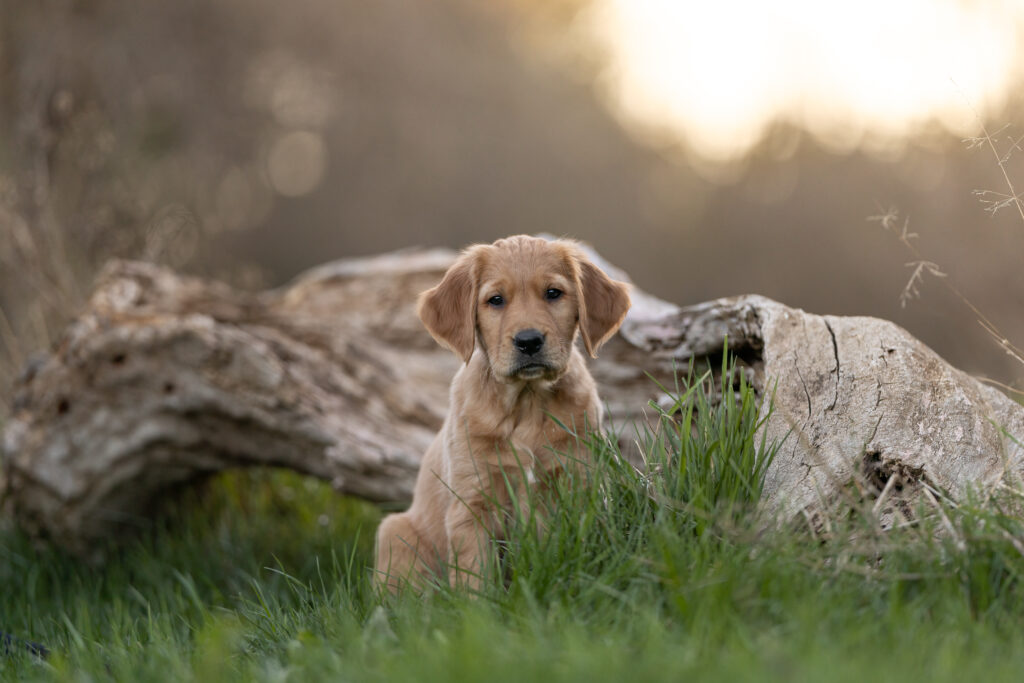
(533, 370)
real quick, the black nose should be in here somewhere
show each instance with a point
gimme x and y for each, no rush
(529, 341)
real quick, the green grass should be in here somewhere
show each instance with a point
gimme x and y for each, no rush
(662, 575)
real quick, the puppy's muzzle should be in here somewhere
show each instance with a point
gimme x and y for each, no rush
(531, 361)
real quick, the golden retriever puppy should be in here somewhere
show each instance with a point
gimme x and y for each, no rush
(511, 310)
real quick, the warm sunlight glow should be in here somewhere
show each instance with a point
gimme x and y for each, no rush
(868, 72)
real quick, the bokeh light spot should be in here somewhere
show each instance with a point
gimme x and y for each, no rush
(296, 163)
(865, 74)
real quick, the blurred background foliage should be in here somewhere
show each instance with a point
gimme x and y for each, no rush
(250, 139)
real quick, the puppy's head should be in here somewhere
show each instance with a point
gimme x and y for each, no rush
(522, 299)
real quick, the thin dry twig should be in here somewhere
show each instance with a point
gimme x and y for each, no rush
(1001, 385)
(946, 523)
(912, 288)
(1006, 487)
(1010, 348)
(884, 494)
(997, 201)
(889, 219)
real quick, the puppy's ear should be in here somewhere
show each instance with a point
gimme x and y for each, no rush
(603, 304)
(449, 310)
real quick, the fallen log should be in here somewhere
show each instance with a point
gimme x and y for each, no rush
(164, 379)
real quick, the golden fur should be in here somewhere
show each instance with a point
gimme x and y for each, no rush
(500, 424)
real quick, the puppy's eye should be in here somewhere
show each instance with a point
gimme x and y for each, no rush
(496, 300)
(552, 294)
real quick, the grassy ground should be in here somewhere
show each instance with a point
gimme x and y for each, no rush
(264, 575)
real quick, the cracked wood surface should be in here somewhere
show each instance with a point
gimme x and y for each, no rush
(876, 403)
(164, 378)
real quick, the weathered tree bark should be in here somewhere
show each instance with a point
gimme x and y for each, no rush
(166, 378)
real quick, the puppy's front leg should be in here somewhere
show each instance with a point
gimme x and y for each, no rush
(469, 542)
(404, 556)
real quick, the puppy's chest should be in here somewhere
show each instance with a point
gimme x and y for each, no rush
(534, 434)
